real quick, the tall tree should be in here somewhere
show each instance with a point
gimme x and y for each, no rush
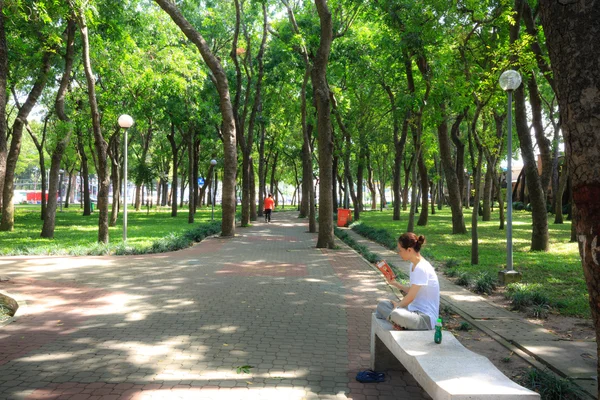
(100, 144)
(573, 40)
(247, 141)
(321, 88)
(454, 196)
(8, 217)
(3, 78)
(228, 123)
(66, 127)
(539, 214)
(307, 206)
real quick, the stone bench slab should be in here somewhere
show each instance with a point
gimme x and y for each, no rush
(446, 371)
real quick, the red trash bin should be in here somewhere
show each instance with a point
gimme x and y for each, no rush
(344, 217)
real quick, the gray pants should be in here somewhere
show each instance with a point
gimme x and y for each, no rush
(412, 320)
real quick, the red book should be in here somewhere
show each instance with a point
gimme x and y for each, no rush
(386, 270)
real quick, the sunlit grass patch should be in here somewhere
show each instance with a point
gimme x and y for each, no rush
(76, 234)
(558, 271)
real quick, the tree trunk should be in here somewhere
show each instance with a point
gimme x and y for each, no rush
(7, 223)
(228, 124)
(158, 191)
(519, 189)
(69, 196)
(356, 198)
(174, 155)
(192, 200)
(454, 196)
(40, 146)
(407, 169)
(182, 188)
(307, 170)
(348, 174)
(145, 139)
(433, 194)
(334, 189)
(539, 214)
(195, 172)
(424, 215)
(85, 173)
(475, 213)
(164, 200)
(253, 209)
(413, 195)
(246, 143)
(573, 40)
(487, 194)
(137, 197)
(115, 177)
(498, 186)
(381, 188)
(399, 144)
(543, 144)
(370, 183)
(460, 156)
(3, 98)
(564, 175)
(99, 142)
(321, 87)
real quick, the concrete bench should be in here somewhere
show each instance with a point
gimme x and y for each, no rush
(445, 371)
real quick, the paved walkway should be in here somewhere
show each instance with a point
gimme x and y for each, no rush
(575, 359)
(264, 315)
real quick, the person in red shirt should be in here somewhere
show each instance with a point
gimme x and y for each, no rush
(269, 206)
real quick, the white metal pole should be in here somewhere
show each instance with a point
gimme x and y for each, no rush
(125, 188)
(509, 251)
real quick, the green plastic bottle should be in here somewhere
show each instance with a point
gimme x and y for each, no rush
(437, 337)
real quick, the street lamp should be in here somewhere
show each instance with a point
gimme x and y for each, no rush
(509, 81)
(125, 121)
(213, 163)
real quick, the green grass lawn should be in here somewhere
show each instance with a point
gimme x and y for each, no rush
(76, 234)
(558, 272)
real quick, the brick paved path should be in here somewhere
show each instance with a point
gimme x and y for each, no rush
(183, 325)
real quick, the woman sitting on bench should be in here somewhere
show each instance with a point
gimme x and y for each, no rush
(419, 308)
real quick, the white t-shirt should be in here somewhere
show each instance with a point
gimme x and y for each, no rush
(427, 299)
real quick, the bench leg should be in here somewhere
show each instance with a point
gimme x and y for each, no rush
(381, 358)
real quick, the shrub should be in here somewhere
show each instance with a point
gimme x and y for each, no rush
(518, 205)
(523, 295)
(451, 263)
(539, 299)
(361, 249)
(520, 301)
(540, 311)
(380, 236)
(485, 283)
(464, 326)
(550, 387)
(464, 278)
(451, 272)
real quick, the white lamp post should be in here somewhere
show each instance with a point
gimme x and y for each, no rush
(509, 81)
(125, 121)
(213, 163)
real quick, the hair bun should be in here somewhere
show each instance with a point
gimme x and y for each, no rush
(421, 239)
